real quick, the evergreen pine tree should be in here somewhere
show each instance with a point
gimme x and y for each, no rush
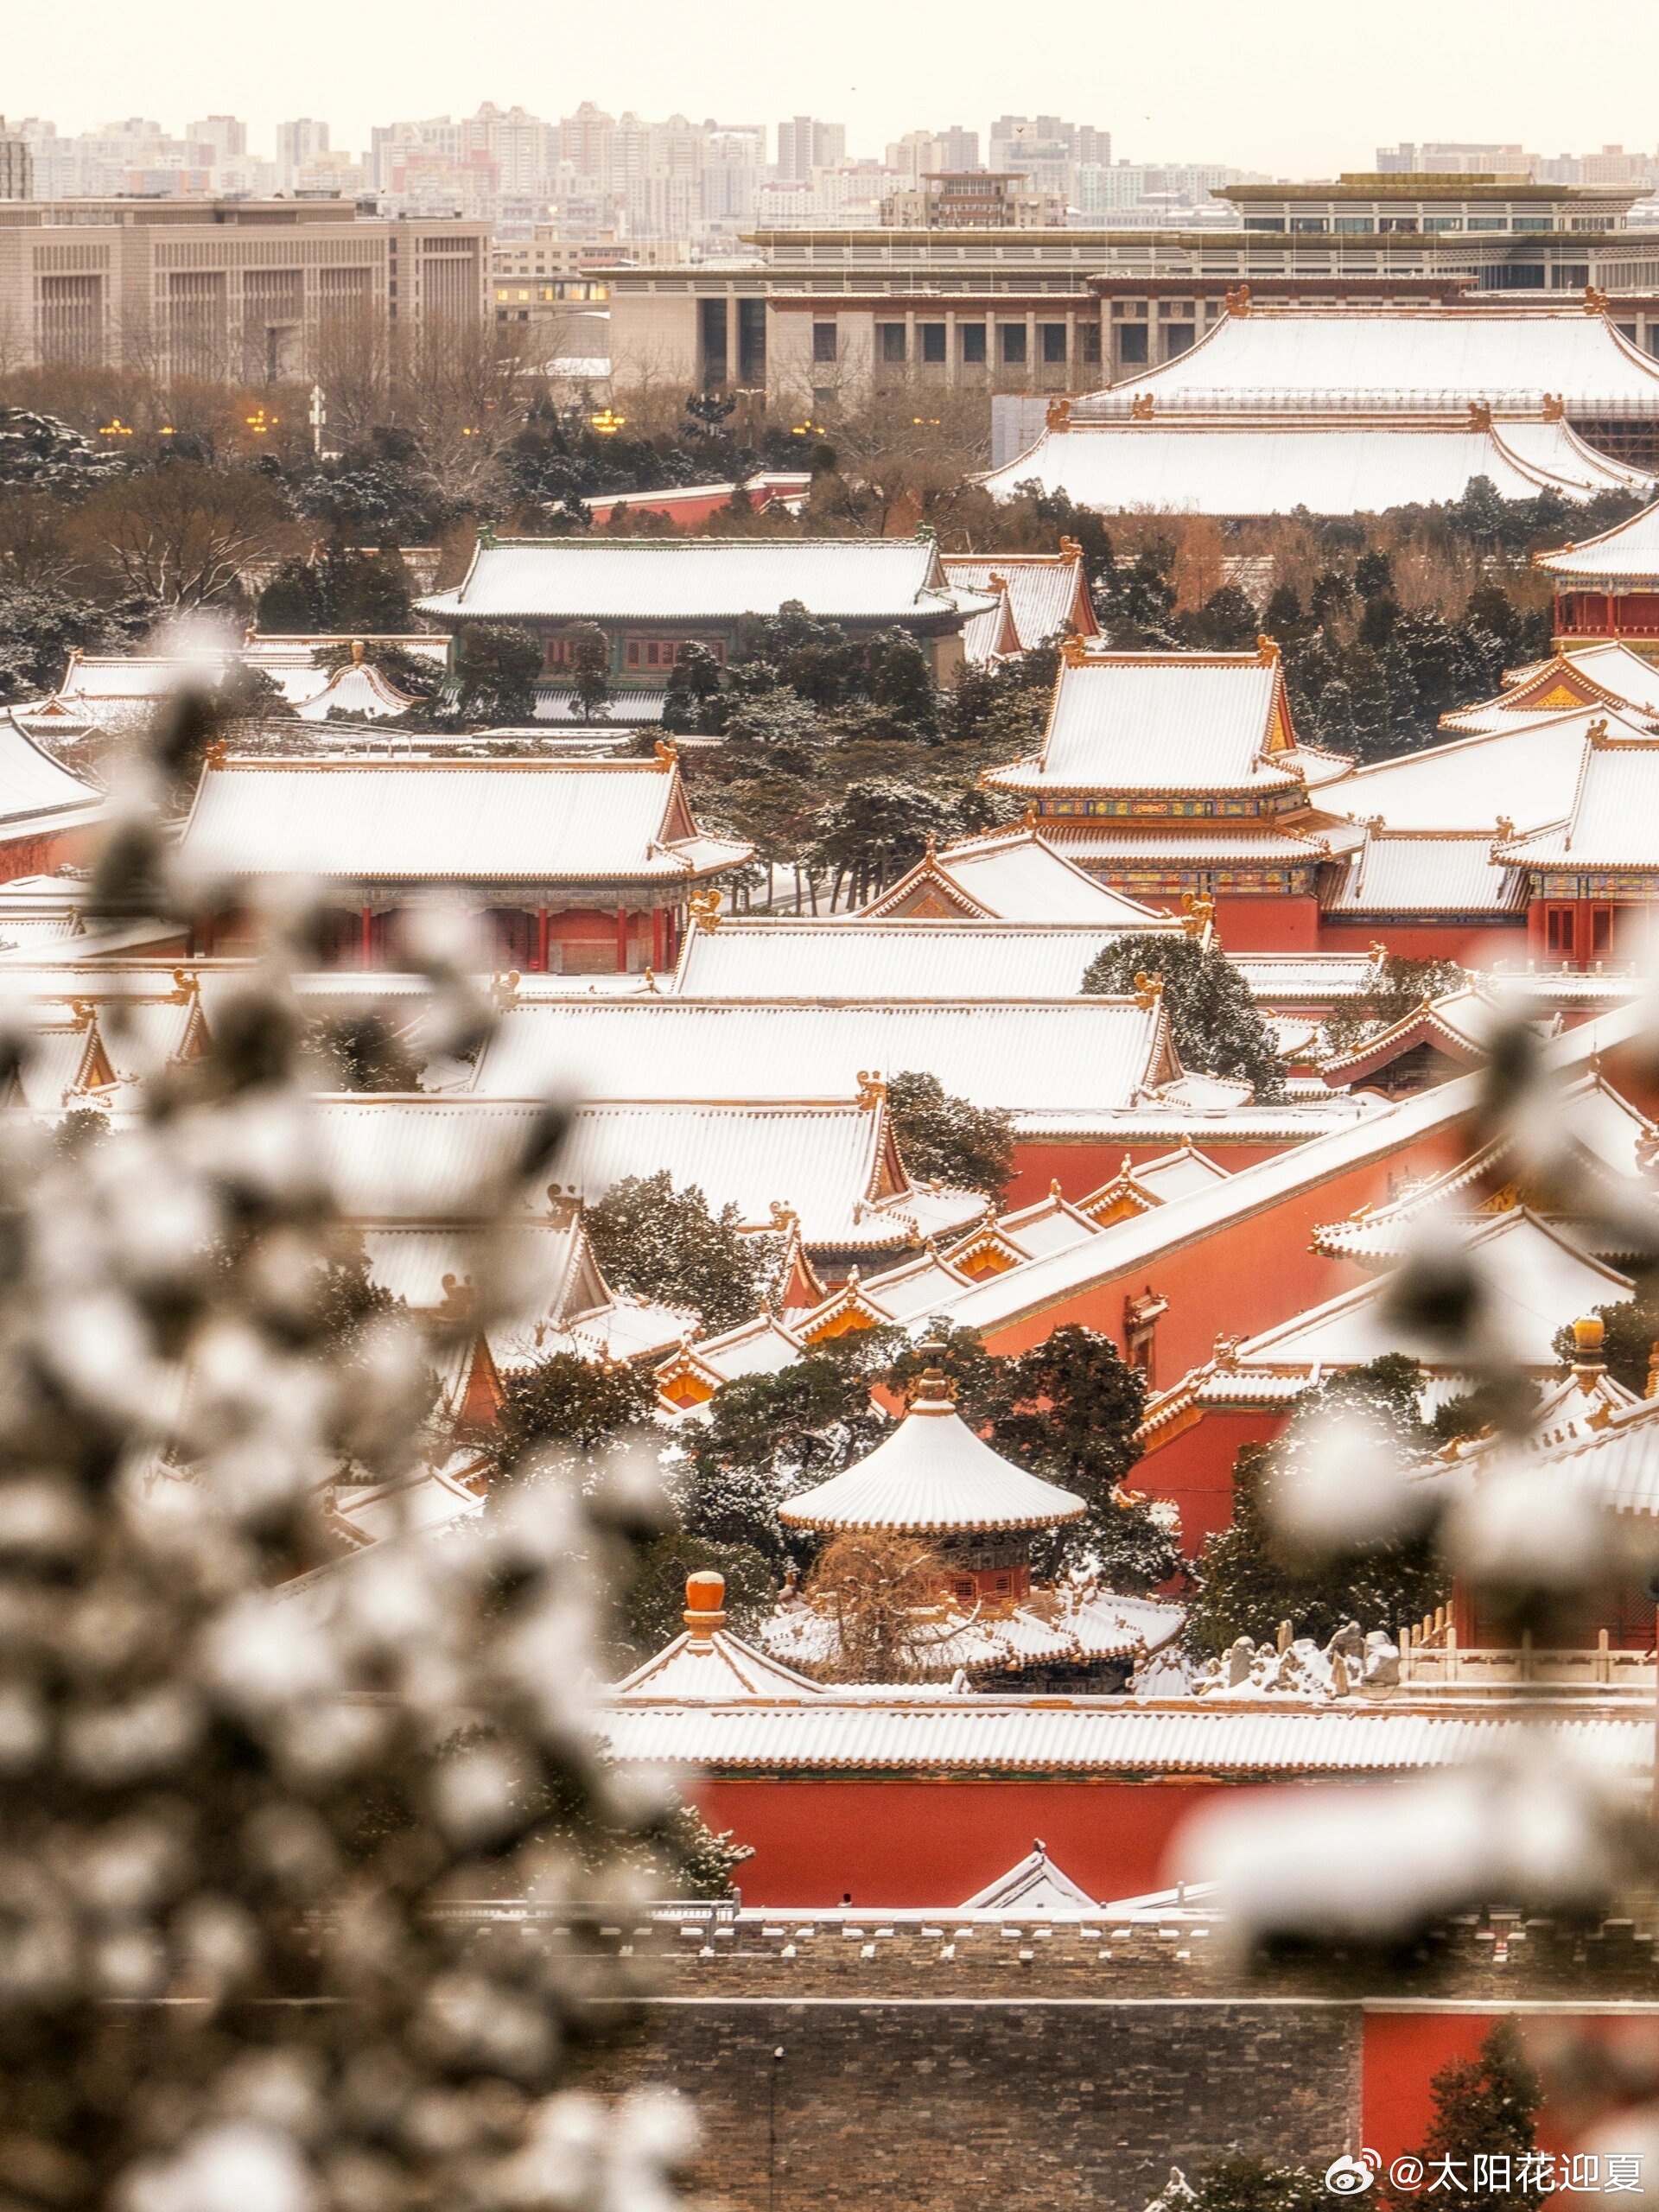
(1213, 1016)
(949, 1140)
(1479, 2153)
(669, 1245)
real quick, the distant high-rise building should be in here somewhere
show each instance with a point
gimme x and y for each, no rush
(16, 164)
(225, 134)
(1048, 149)
(298, 144)
(805, 144)
(931, 153)
(1449, 157)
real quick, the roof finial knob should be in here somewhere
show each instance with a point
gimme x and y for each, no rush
(705, 1605)
(933, 1392)
(1589, 1337)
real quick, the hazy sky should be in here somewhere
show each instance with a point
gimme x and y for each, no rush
(1295, 88)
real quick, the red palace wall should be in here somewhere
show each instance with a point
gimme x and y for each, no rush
(1196, 1470)
(1404, 2044)
(1264, 925)
(910, 1842)
(40, 855)
(1243, 1275)
(1081, 1165)
(1470, 941)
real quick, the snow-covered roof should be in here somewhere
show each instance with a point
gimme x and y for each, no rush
(1608, 1136)
(887, 959)
(1608, 675)
(37, 793)
(1297, 979)
(1034, 1884)
(546, 1264)
(1405, 871)
(1065, 1624)
(411, 819)
(1168, 722)
(1460, 1026)
(359, 688)
(630, 706)
(1534, 1279)
(901, 1732)
(706, 1664)
(389, 1157)
(1198, 843)
(1047, 596)
(1007, 875)
(1618, 1465)
(1378, 1130)
(690, 1374)
(1629, 550)
(698, 579)
(1525, 771)
(1087, 1054)
(833, 1166)
(92, 679)
(1186, 465)
(931, 1476)
(1612, 819)
(1508, 358)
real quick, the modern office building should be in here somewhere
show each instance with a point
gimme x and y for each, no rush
(242, 288)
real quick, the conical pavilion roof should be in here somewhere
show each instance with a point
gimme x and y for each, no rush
(933, 1476)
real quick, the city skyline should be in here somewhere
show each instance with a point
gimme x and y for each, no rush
(1294, 103)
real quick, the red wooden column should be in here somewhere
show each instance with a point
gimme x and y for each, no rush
(621, 940)
(366, 941)
(541, 941)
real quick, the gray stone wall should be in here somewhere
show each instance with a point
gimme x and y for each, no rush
(1022, 2101)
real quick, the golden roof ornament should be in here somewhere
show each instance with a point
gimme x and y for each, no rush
(705, 909)
(933, 1391)
(1070, 549)
(1554, 407)
(504, 986)
(1143, 406)
(871, 1089)
(1238, 299)
(667, 753)
(705, 1605)
(1595, 300)
(1266, 650)
(1148, 990)
(1196, 913)
(1073, 651)
(1058, 414)
(1480, 414)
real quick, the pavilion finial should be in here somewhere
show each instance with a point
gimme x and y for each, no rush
(705, 1605)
